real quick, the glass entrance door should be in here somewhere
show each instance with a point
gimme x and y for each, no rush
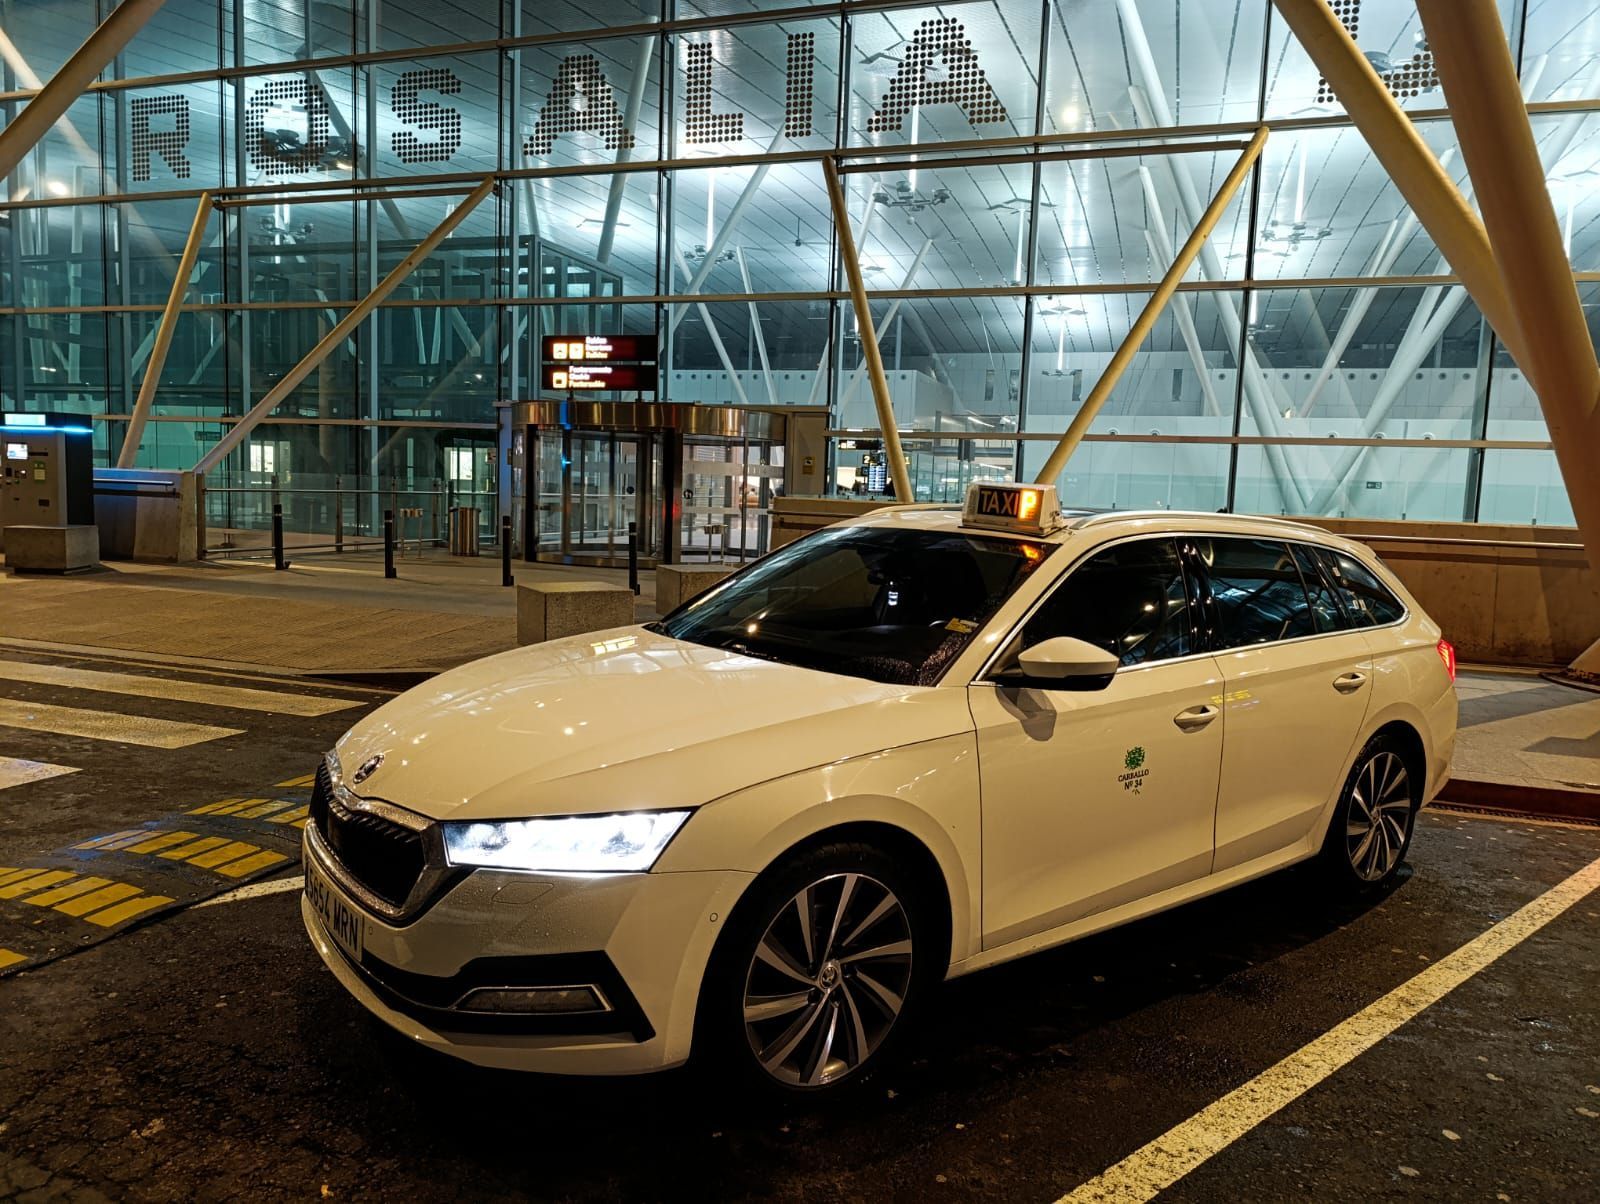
(589, 486)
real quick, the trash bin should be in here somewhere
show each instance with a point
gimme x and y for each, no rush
(464, 531)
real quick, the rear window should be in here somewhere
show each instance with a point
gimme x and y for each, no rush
(1367, 601)
(1259, 595)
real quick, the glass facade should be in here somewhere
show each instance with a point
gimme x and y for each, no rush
(1018, 174)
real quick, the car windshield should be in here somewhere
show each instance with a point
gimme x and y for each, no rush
(889, 604)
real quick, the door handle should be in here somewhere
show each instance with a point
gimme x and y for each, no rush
(1196, 717)
(1349, 683)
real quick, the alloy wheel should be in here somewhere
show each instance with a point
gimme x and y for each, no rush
(1379, 817)
(828, 980)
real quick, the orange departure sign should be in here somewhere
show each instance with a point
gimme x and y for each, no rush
(599, 348)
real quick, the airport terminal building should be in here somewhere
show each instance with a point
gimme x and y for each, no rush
(1017, 175)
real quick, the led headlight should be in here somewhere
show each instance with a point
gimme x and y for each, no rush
(574, 844)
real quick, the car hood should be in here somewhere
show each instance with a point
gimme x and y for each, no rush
(624, 720)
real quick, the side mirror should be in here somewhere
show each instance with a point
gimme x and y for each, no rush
(1063, 663)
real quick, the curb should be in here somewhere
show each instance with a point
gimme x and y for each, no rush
(1535, 802)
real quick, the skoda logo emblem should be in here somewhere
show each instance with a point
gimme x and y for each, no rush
(368, 768)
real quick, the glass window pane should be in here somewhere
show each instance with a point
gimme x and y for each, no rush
(1257, 589)
(1122, 220)
(950, 73)
(769, 227)
(1130, 600)
(1181, 381)
(1388, 33)
(437, 115)
(1355, 482)
(577, 98)
(954, 363)
(754, 88)
(1101, 77)
(1523, 487)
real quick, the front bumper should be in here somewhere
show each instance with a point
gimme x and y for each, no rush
(644, 939)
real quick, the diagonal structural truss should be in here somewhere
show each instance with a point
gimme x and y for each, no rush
(343, 329)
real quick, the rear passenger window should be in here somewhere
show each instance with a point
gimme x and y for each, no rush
(1129, 600)
(1258, 592)
(1366, 600)
(1325, 611)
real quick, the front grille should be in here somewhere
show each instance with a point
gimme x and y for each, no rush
(383, 856)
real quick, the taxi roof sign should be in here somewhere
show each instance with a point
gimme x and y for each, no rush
(1009, 506)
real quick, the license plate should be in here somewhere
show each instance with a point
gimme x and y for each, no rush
(341, 921)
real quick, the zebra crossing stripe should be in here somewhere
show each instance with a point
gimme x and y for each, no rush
(16, 772)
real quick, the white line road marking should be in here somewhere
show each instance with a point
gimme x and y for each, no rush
(14, 772)
(142, 686)
(1160, 1164)
(107, 725)
(255, 890)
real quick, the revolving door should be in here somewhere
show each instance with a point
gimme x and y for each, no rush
(695, 481)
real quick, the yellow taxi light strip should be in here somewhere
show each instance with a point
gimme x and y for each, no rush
(126, 911)
(10, 957)
(70, 890)
(39, 881)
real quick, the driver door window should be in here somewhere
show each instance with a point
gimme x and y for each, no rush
(1130, 600)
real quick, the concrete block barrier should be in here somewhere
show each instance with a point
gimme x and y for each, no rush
(677, 583)
(556, 609)
(32, 549)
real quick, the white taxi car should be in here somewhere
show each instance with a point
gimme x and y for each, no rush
(903, 748)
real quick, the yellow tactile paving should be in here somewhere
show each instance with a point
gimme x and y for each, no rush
(23, 886)
(297, 817)
(249, 865)
(161, 840)
(307, 780)
(69, 890)
(10, 957)
(185, 851)
(126, 911)
(227, 852)
(103, 897)
(208, 808)
(16, 875)
(270, 807)
(237, 805)
(102, 841)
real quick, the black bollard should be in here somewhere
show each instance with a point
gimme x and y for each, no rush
(505, 550)
(388, 544)
(278, 562)
(633, 558)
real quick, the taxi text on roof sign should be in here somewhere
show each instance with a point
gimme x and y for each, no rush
(1007, 506)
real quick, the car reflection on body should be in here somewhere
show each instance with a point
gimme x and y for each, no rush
(903, 748)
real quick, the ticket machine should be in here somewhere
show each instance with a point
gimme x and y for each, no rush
(47, 473)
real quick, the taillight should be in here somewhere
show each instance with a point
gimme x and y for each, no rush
(1447, 653)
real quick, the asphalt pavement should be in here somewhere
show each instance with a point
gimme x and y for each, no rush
(199, 1051)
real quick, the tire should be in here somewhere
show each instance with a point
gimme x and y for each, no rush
(1374, 820)
(822, 971)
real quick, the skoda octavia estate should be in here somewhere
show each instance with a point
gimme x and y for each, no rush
(901, 749)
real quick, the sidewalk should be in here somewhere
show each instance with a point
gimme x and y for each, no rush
(1527, 741)
(325, 614)
(1521, 737)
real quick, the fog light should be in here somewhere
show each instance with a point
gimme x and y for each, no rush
(531, 1000)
